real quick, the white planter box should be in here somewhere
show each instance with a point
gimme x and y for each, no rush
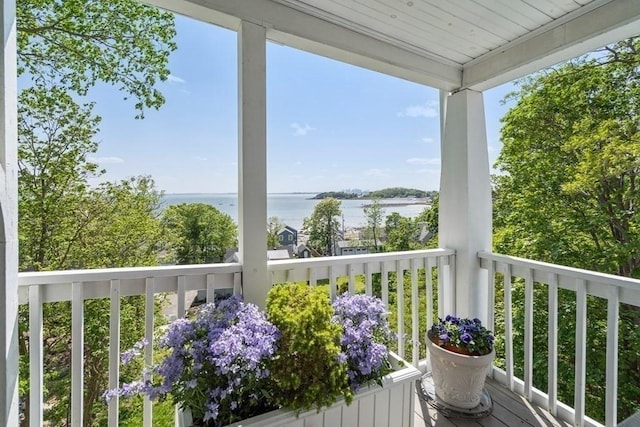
(388, 406)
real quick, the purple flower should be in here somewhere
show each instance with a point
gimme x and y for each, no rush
(464, 334)
(466, 338)
(212, 362)
(366, 334)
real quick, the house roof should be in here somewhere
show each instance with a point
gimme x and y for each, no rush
(449, 44)
(278, 254)
(355, 243)
(287, 230)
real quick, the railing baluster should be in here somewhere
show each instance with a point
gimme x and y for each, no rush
(211, 288)
(180, 296)
(528, 334)
(77, 354)
(149, 309)
(552, 383)
(613, 308)
(581, 343)
(400, 307)
(508, 326)
(35, 356)
(352, 279)
(428, 272)
(384, 284)
(237, 284)
(368, 284)
(313, 277)
(415, 302)
(114, 350)
(491, 302)
(332, 283)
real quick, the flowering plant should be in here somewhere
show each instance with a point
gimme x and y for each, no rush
(365, 338)
(462, 335)
(231, 361)
(215, 363)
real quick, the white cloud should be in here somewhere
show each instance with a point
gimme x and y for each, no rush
(423, 161)
(199, 158)
(175, 79)
(377, 172)
(433, 172)
(428, 110)
(106, 160)
(428, 140)
(301, 130)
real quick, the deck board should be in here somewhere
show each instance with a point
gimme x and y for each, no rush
(509, 410)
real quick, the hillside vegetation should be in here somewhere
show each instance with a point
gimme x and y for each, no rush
(386, 193)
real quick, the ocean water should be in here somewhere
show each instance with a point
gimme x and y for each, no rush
(292, 208)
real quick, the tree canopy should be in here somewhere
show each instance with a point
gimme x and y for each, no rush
(198, 233)
(75, 44)
(567, 193)
(323, 226)
(64, 49)
(374, 213)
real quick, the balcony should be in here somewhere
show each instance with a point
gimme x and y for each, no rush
(540, 407)
(460, 48)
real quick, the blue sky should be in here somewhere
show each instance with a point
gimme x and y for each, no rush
(331, 126)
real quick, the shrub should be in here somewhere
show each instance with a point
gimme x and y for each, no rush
(309, 369)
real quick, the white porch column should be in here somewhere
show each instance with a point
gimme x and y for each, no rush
(465, 218)
(252, 162)
(8, 220)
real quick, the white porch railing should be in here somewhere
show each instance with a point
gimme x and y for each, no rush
(614, 289)
(39, 288)
(36, 289)
(409, 263)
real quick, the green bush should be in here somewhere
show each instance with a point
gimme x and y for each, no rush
(306, 372)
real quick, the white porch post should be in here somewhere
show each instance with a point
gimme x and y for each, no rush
(8, 220)
(252, 162)
(465, 200)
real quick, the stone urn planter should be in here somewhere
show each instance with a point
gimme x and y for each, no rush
(458, 378)
(391, 404)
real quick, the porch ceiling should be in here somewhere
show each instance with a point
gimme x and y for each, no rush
(448, 44)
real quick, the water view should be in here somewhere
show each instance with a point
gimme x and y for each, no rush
(292, 208)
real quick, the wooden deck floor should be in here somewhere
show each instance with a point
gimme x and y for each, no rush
(509, 410)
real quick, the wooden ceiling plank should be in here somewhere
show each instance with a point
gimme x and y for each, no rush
(313, 34)
(447, 21)
(505, 29)
(331, 14)
(518, 12)
(551, 8)
(407, 27)
(602, 24)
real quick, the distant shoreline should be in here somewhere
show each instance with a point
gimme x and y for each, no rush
(398, 204)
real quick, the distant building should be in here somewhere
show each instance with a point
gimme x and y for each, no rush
(303, 251)
(288, 236)
(275, 254)
(354, 247)
(231, 255)
(272, 254)
(425, 234)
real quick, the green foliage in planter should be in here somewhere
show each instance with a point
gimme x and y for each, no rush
(307, 371)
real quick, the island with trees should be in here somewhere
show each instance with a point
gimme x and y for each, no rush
(386, 193)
